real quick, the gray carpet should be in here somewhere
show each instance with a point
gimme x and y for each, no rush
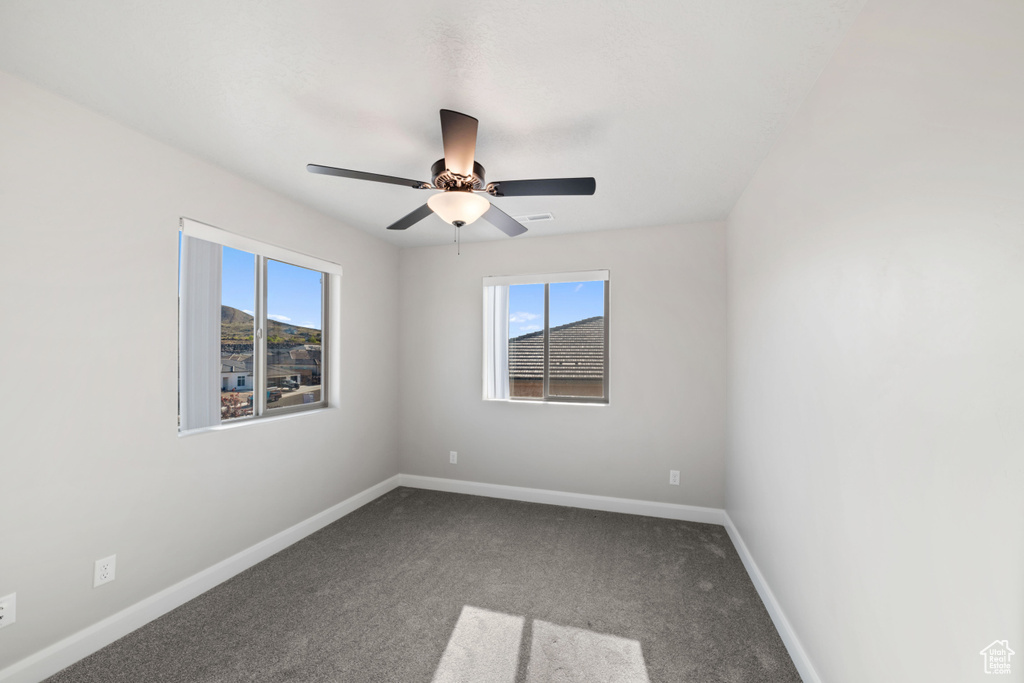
(422, 586)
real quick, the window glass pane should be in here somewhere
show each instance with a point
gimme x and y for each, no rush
(526, 341)
(237, 330)
(294, 330)
(576, 350)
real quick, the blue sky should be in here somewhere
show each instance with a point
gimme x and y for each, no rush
(569, 301)
(293, 296)
(293, 293)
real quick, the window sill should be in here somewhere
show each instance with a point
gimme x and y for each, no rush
(524, 401)
(235, 424)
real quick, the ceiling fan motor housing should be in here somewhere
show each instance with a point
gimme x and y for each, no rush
(444, 179)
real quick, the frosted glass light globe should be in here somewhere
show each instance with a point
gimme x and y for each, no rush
(456, 205)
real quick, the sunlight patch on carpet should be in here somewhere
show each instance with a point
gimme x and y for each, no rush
(564, 654)
(483, 648)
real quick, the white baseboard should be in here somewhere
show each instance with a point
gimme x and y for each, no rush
(782, 625)
(66, 652)
(686, 513)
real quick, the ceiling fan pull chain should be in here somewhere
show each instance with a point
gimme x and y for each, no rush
(458, 241)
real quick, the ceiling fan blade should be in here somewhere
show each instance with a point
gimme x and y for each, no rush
(458, 133)
(502, 221)
(362, 175)
(535, 188)
(411, 218)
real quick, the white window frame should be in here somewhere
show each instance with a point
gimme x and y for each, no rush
(330, 297)
(494, 390)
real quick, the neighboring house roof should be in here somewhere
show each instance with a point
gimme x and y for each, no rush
(576, 352)
(306, 353)
(294, 356)
(236, 362)
(229, 365)
(281, 362)
(275, 371)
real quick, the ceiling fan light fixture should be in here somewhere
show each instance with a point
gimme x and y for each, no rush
(455, 206)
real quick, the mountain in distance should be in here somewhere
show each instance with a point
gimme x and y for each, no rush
(236, 326)
(233, 316)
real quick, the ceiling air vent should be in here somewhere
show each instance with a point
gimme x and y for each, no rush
(535, 218)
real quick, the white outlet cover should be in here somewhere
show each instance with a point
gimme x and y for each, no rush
(8, 611)
(673, 477)
(453, 457)
(105, 571)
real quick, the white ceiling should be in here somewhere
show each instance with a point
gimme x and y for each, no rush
(669, 104)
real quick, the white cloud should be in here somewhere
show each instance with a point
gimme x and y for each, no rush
(529, 328)
(578, 287)
(245, 310)
(522, 317)
(281, 318)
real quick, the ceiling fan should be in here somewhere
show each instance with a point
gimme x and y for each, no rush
(461, 181)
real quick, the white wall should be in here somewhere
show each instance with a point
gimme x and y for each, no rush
(876, 298)
(667, 368)
(88, 293)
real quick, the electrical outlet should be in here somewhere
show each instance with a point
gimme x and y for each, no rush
(7, 609)
(104, 571)
(673, 477)
(453, 457)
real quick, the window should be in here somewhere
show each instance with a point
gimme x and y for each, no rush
(546, 337)
(294, 351)
(254, 312)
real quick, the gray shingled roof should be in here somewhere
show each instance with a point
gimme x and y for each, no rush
(577, 351)
(308, 352)
(234, 365)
